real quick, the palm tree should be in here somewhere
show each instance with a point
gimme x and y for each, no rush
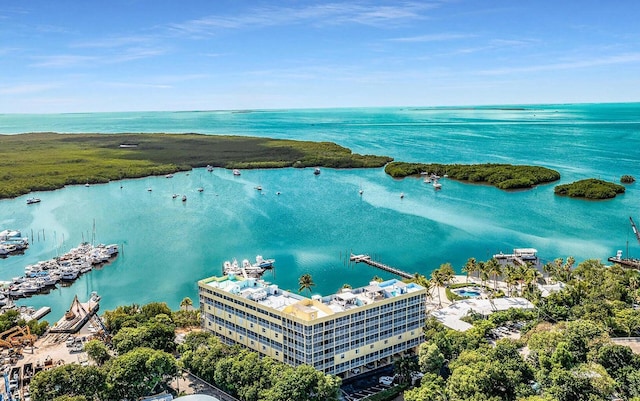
(494, 269)
(438, 280)
(510, 277)
(186, 303)
(470, 267)
(447, 271)
(421, 280)
(306, 282)
(483, 273)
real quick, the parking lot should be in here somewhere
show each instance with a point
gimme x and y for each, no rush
(358, 387)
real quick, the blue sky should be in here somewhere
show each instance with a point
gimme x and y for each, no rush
(130, 55)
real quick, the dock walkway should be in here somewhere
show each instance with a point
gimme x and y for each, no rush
(367, 259)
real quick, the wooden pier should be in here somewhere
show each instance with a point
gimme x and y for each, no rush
(367, 259)
(632, 263)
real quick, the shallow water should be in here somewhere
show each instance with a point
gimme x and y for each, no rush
(316, 221)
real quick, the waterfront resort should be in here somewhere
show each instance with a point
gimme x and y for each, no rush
(342, 334)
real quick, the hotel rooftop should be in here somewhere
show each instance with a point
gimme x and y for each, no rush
(270, 295)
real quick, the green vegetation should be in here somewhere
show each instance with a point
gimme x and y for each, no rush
(12, 318)
(590, 188)
(503, 176)
(140, 362)
(250, 377)
(627, 179)
(47, 161)
(566, 350)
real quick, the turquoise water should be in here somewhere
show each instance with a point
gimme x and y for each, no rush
(317, 221)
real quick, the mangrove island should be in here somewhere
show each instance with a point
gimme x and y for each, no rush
(502, 176)
(590, 188)
(48, 161)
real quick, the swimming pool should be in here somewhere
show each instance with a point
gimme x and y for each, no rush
(467, 292)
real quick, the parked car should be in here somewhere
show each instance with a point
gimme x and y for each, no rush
(385, 380)
(355, 371)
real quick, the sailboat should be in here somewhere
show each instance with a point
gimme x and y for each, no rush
(200, 188)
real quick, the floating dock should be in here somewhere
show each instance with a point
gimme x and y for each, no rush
(367, 259)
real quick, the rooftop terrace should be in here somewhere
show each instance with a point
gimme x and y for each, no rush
(315, 307)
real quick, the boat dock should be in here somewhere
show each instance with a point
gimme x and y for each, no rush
(77, 315)
(367, 259)
(626, 262)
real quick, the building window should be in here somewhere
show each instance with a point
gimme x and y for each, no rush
(371, 346)
(342, 356)
(277, 353)
(357, 351)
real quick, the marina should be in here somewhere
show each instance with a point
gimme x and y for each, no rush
(12, 242)
(247, 269)
(43, 275)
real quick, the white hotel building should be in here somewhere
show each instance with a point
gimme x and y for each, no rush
(336, 334)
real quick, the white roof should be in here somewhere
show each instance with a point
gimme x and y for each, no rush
(450, 316)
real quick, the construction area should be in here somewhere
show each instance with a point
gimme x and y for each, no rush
(23, 354)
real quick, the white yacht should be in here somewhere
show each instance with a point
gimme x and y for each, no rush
(236, 171)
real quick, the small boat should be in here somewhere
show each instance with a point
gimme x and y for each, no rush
(236, 171)
(200, 189)
(184, 198)
(94, 297)
(316, 171)
(401, 195)
(360, 191)
(174, 196)
(149, 189)
(33, 200)
(259, 188)
(278, 193)
(263, 263)
(209, 168)
(168, 175)
(437, 185)
(87, 185)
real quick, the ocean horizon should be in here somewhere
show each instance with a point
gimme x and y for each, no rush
(317, 221)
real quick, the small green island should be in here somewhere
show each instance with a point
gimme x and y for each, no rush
(590, 188)
(627, 179)
(502, 176)
(48, 161)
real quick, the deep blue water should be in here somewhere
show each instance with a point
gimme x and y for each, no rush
(317, 221)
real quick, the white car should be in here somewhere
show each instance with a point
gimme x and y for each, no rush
(385, 380)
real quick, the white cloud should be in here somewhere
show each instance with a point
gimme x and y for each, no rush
(567, 65)
(26, 88)
(319, 15)
(436, 37)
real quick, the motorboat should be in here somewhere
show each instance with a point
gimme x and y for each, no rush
(263, 263)
(401, 195)
(184, 198)
(200, 189)
(236, 171)
(168, 175)
(316, 171)
(209, 168)
(174, 196)
(259, 188)
(33, 200)
(437, 185)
